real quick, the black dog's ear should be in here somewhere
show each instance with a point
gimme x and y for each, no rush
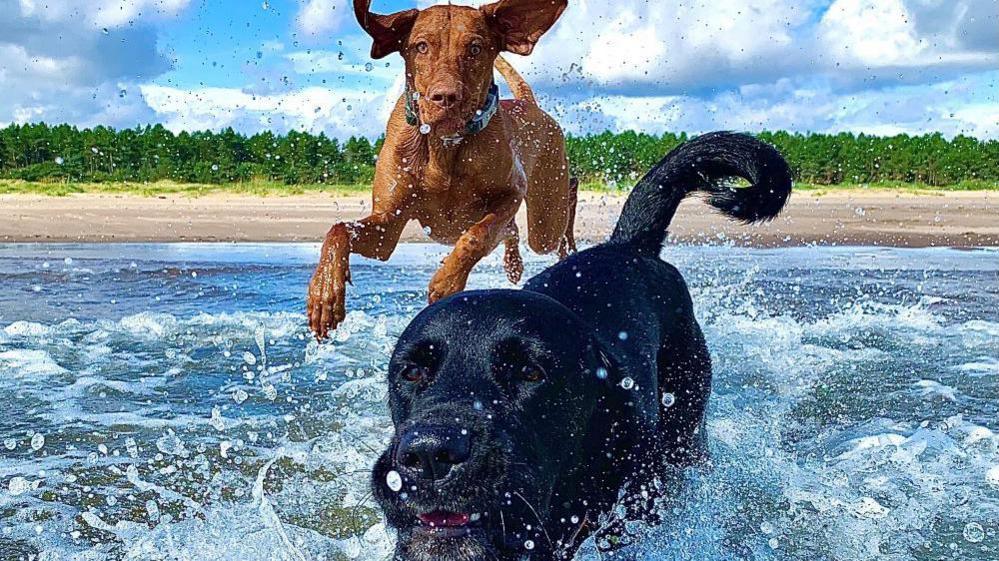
(599, 362)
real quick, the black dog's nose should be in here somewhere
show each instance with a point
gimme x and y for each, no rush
(429, 453)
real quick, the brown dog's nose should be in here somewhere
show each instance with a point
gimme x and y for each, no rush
(445, 97)
(429, 453)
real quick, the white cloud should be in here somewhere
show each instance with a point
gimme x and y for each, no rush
(914, 34)
(113, 13)
(948, 107)
(320, 17)
(99, 13)
(638, 48)
(339, 113)
(79, 61)
(820, 65)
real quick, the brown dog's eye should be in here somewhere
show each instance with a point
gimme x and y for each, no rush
(415, 374)
(422, 47)
(532, 373)
(475, 50)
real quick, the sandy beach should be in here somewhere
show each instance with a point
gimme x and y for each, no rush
(881, 218)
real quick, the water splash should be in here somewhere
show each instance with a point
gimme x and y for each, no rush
(853, 414)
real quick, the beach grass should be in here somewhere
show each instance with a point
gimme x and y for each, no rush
(897, 186)
(168, 188)
(260, 188)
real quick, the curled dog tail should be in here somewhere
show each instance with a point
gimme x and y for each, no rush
(518, 86)
(704, 164)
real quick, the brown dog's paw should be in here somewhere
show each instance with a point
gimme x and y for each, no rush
(326, 302)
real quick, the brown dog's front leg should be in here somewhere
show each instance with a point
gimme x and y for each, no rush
(376, 237)
(474, 244)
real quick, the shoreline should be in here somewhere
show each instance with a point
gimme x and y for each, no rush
(858, 218)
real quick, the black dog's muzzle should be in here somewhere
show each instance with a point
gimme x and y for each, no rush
(429, 453)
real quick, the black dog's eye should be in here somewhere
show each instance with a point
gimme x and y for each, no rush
(532, 373)
(415, 374)
(422, 47)
(475, 50)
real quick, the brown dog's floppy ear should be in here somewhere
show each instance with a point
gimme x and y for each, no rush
(388, 31)
(521, 23)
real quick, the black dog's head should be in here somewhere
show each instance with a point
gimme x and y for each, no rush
(491, 395)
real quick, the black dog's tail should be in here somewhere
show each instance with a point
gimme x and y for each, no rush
(704, 164)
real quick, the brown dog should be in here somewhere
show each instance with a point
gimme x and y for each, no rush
(455, 158)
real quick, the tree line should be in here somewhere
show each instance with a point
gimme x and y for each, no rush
(39, 152)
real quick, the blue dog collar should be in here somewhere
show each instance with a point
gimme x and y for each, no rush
(477, 124)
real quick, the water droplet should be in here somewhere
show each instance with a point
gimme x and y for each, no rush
(774, 543)
(59, 160)
(37, 441)
(529, 545)
(152, 510)
(369, 67)
(105, 31)
(668, 400)
(394, 481)
(240, 395)
(627, 383)
(215, 167)
(424, 129)
(974, 533)
(992, 477)
(270, 392)
(602, 373)
(623, 335)
(18, 486)
(170, 444)
(216, 421)
(9, 443)
(131, 447)
(249, 358)
(574, 519)
(265, 5)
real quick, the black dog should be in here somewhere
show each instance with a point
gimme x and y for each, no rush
(525, 420)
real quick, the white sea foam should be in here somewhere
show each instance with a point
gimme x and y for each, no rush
(27, 364)
(931, 389)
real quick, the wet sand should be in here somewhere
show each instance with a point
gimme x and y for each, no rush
(869, 218)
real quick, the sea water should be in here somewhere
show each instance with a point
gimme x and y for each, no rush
(165, 402)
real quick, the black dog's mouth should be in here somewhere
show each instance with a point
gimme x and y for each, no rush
(446, 524)
(476, 512)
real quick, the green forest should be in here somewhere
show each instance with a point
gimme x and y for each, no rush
(42, 153)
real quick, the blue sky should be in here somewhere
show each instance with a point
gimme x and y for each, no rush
(878, 66)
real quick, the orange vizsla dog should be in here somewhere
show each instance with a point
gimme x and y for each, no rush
(456, 158)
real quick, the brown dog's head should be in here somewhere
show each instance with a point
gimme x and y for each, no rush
(450, 50)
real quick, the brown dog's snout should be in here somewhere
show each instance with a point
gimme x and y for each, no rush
(445, 96)
(431, 452)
